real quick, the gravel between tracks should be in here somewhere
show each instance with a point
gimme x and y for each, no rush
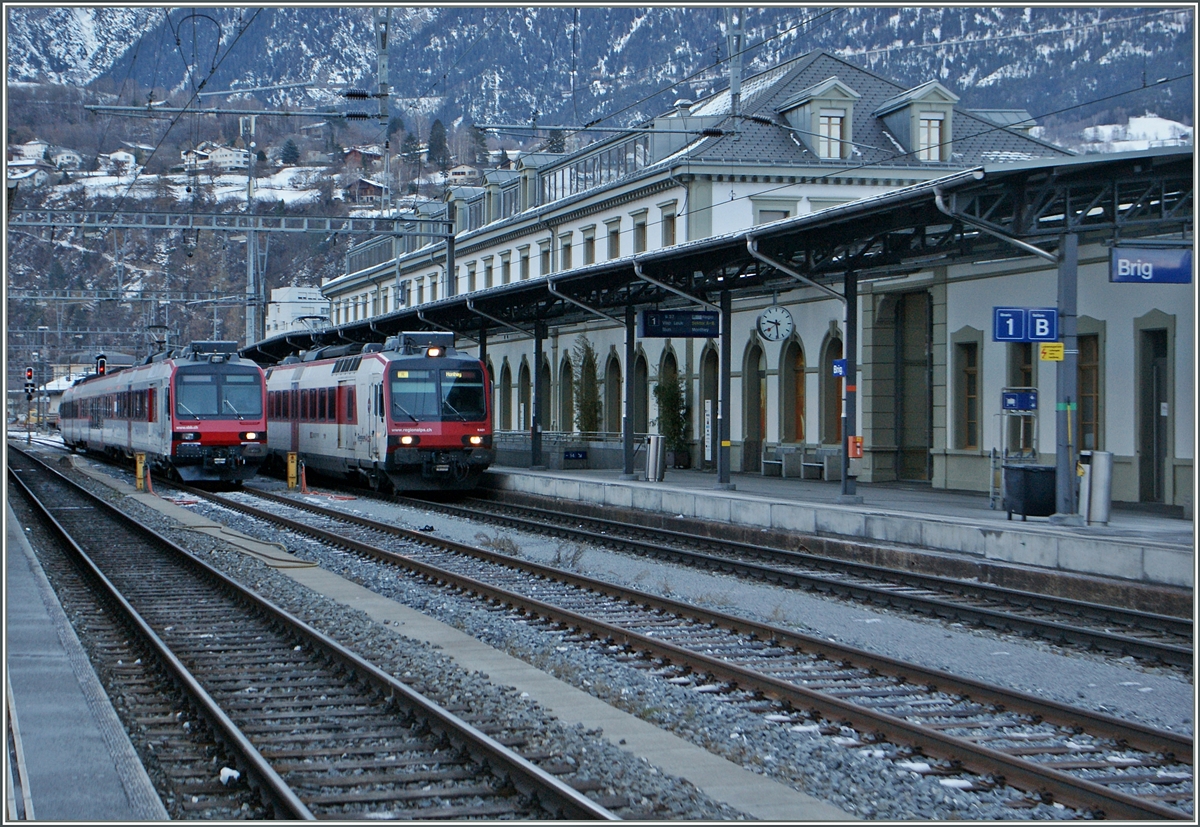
(855, 779)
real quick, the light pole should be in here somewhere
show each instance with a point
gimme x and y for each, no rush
(43, 364)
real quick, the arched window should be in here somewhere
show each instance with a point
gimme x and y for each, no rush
(566, 396)
(754, 392)
(542, 393)
(612, 396)
(831, 395)
(641, 395)
(525, 401)
(505, 398)
(791, 403)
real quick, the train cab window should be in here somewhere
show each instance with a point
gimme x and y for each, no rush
(462, 394)
(414, 395)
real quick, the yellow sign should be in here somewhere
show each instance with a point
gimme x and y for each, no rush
(1052, 351)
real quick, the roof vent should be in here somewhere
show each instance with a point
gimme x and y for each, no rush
(683, 107)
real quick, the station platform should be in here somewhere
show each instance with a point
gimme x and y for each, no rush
(67, 747)
(1136, 546)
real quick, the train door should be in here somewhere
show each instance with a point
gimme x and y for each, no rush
(347, 417)
(378, 431)
(293, 410)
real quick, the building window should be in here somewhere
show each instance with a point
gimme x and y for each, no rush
(565, 252)
(968, 394)
(639, 233)
(487, 273)
(589, 246)
(929, 136)
(433, 288)
(830, 134)
(545, 256)
(525, 263)
(420, 291)
(505, 269)
(765, 216)
(1089, 393)
(471, 278)
(668, 229)
(614, 239)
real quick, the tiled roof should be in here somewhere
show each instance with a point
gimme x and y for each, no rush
(762, 139)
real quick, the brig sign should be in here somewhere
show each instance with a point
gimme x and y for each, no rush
(1150, 265)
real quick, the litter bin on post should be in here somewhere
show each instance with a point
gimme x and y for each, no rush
(1095, 486)
(656, 458)
(1029, 490)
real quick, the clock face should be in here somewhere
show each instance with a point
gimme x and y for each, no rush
(775, 323)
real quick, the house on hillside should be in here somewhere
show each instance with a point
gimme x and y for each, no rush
(28, 173)
(207, 155)
(118, 163)
(363, 157)
(365, 191)
(34, 150)
(463, 174)
(64, 158)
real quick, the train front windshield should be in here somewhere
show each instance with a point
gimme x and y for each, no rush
(455, 395)
(218, 395)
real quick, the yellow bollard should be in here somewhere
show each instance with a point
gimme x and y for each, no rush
(140, 459)
(291, 470)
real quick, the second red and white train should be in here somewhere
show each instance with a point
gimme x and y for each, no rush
(409, 414)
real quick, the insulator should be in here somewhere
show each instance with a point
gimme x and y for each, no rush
(358, 94)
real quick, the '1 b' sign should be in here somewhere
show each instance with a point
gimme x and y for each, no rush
(1024, 324)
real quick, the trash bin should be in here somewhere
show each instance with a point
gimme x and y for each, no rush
(1029, 490)
(656, 458)
(1095, 486)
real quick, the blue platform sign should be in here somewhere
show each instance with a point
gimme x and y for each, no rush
(1024, 324)
(1150, 265)
(1018, 400)
(701, 324)
(839, 367)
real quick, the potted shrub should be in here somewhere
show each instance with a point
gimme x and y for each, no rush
(673, 421)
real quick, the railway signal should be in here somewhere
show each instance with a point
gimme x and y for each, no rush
(101, 365)
(28, 375)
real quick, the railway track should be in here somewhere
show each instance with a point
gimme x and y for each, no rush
(928, 721)
(316, 731)
(1152, 638)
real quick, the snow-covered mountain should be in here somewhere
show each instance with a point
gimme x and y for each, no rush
(575, 65)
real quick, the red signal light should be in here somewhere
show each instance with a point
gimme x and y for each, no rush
(101, 365)
(28, 374)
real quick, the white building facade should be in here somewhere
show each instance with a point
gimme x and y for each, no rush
(809, 135)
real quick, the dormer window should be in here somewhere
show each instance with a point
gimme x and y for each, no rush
(929, 136)
(823, 117)
(831, 133)
(922, 121)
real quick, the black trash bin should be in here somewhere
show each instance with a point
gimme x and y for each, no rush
(1029, 490)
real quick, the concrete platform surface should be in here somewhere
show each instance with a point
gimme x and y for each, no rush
(1136, 545)
(75, 761)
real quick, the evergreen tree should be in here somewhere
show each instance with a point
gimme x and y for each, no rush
(290, 154)
(505, 162)
(557, 142)
(395, 125)
(479, 146)
(587, 387)
(439, 151)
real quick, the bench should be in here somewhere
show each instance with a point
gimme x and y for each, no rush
(820, 463)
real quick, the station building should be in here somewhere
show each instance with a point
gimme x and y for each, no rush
(810, 138)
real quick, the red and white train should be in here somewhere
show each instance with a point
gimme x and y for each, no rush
(409, 414)
(198, 414)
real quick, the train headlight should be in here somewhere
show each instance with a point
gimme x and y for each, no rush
(476, 440)
(434, 351)
(250, 436)
(408, 439)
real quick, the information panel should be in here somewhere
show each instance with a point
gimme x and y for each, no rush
(698, 324)
(1024, 324)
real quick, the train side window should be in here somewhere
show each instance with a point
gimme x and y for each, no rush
(320, 404)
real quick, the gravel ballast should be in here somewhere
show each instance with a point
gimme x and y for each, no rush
(860, 781)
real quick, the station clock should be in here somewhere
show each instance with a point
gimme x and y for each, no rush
(775, 323)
